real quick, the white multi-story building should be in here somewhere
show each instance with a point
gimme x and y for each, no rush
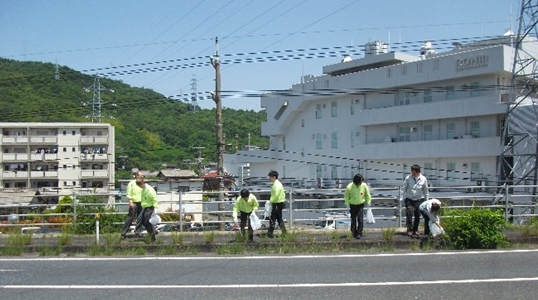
(63, 156)
(382, 113)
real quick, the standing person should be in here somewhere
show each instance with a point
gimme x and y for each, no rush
(149, 204)
(135, 208)
(246, 203)
(415, 188)
(356, 195)
(277, 199)
(430, 210)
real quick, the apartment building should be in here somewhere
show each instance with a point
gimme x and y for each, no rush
(62, 156)
(379, 114)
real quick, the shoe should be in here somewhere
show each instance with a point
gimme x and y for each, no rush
(416, 233)
(137, 233)
(250, 241)
(358, 237)
(270, 236)
(410, 234)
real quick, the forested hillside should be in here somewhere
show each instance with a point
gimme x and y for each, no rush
(150, 128)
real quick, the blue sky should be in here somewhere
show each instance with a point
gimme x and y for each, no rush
(86, 35)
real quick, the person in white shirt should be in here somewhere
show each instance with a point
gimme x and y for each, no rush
(415, 188)
(430, 210)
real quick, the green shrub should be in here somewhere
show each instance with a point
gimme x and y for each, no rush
(177, 238)
(65, 239)
(209, 237)
(474, 228)
(388, 233)
(18, 239)
(65, 205)
(108, 221)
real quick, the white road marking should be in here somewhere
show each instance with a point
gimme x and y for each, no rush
(10, 270)
(257, 286)
(313, 256)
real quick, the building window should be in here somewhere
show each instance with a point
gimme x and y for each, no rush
(20, 184)
(352, 107)
(74, 183)
(65, 183)
(318, 141)
(419, 67)
(284, 171)
(74, 167)
(427, 171)
(404, 134)
(65, 132)
(450, 171)
(318, 171)
(403, 98)
(475, 129)
(475, 89)
(427, 133)
(302, 122)
(334, 172)
(65, 167)
(326, 84)
(65, 149)
(352, 139)
(73, 132)
(74, 149)
(450, 93)
(334, 140)
(389, 73)
(334, 109)
(436, 64)
(404, 70)
(318, 111)
(450, 130)
(427, 95)
(476, 174)
(6, 184)
(283, 143)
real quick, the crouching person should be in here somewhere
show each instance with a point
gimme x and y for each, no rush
(246, 203)
(148, 199)
(430, 210)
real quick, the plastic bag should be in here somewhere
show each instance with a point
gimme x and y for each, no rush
(155, 219)
(370, 216)
(255, 222)
(435, 230)
(268, 210)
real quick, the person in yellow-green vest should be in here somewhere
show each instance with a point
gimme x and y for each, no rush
(135, 208)
(247, 204)
(356, 195)
(277, 199)
(148, 200)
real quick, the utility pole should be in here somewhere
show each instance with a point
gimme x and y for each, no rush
(215, 61)
(56, 72)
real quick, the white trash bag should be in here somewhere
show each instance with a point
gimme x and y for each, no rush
(155, 219)
(370, 216)
(435, 230)
(255, 222)
(268, 210)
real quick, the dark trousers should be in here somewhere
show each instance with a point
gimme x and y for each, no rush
(133, 211)
(426, 224)
(146, 215)
(276, 215)
(412, 210)
(357, 214)
(245, 218)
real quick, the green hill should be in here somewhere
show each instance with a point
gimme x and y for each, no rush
(150, 128)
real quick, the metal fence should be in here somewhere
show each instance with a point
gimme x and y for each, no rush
(304, 208)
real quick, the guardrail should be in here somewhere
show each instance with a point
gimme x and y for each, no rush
(304, 207)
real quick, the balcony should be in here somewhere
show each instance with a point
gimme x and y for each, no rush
(93, 157)
(44, 174)
(94, 174)
(14, 139)
(44, 157)
(14, 174)
(103, 140)
(44, 140)
(467, 107)
(488, 146)
(14, 157)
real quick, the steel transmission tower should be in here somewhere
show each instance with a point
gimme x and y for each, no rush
(96, 101)
(518, 161)
(194, 92)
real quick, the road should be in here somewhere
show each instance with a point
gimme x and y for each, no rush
(499, 274)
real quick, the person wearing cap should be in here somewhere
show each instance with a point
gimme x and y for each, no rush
(135, 207)
(247, 204)
(415, 188)
(277, 199)
(356, 195)
(148, 200)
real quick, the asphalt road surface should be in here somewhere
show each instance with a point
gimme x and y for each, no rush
(501, 274)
